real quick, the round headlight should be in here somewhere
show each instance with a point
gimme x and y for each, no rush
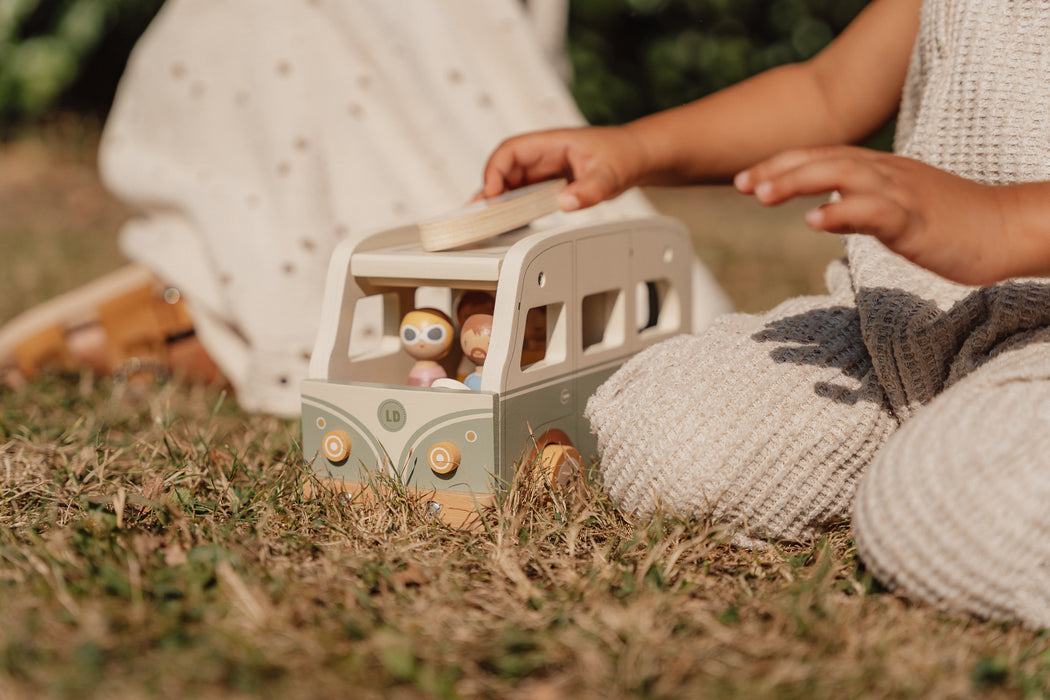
(444, 457)
(336, 445)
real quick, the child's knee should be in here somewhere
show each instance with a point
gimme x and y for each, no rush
(953, 510)
(762, 431)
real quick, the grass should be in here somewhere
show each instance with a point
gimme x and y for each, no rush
(155, 542)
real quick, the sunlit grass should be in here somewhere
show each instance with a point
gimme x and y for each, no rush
(157, 541)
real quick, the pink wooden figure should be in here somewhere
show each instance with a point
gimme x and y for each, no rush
(474, 339)
(426, 335)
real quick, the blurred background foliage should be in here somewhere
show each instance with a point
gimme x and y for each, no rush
(634, 57)
(630, 57)
(65, 54)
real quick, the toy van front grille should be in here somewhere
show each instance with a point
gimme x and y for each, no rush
(424, 439)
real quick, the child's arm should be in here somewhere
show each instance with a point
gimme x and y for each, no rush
(843, 94)
(960, 229)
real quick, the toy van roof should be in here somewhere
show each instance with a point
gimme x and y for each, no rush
(405, 262)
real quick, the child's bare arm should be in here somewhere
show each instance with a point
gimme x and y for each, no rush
(960, 229)
(846, 92)
(840, 96)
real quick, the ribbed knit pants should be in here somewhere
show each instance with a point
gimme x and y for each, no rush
(932, 398)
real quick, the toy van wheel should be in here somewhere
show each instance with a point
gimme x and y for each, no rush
(560, 465)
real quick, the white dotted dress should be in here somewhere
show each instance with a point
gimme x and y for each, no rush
(255, 134)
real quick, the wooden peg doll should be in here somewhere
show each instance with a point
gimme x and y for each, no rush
(466, 305)
(474, 339)
(426, 335)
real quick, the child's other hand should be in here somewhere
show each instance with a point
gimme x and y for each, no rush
(952, 226)
(598, 162)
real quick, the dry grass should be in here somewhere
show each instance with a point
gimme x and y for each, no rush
(155, 543)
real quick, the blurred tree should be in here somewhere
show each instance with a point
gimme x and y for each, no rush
(65, 53)
(635, 57)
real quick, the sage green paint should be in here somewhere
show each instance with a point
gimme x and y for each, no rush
(363, 456)
(360, 409)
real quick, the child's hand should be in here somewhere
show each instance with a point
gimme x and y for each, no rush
(955, 227)
(599, 162)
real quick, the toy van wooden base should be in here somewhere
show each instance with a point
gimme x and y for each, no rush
(570, 303)
(460, 510)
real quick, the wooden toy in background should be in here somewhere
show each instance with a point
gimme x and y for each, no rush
(426, 335)
(126, 324)
(486, 218)
(474, 339)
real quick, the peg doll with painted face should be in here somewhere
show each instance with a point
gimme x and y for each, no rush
(474, 339)
(426, 335)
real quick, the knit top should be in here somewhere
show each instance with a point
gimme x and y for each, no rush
(976, 103)
(977, 100)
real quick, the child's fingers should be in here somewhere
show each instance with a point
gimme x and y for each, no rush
(844, 174)
(869, 213)
(497, 183)
(585, 192)
(522, 161)
(501, 174)
(746, 181)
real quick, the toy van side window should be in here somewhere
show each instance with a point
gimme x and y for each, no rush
(657, 307)
(544, 334)
(544, 319)
(602, 321)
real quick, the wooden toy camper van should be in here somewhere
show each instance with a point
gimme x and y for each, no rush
(570, 302)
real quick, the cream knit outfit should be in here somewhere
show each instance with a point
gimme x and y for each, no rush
(932, 397)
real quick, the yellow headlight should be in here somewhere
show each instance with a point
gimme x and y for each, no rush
(336, 445)
(444, 457)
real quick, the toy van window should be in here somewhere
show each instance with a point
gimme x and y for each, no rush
(656, 307)
(366, 329)
(543, 337)
(602, 321)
